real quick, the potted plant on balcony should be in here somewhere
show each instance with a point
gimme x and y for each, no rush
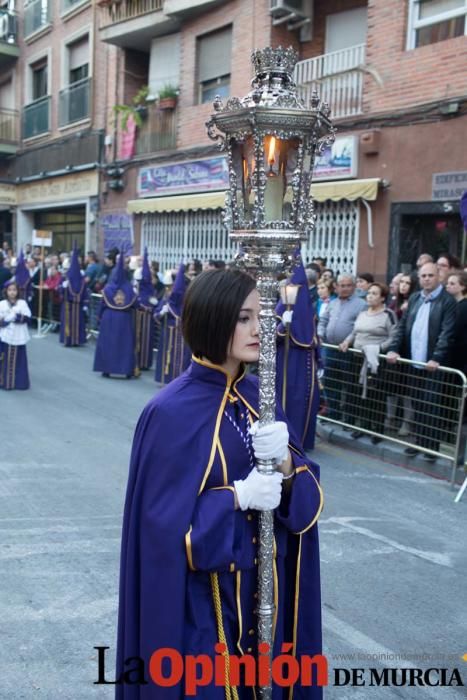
(138, 108)
(168, 96)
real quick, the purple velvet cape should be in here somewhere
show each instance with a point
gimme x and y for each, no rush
(22, 278)
(180, 530)
(299, 373)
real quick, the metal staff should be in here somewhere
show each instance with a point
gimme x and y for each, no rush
(270, 138)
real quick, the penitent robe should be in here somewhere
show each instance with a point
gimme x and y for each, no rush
(189, 560)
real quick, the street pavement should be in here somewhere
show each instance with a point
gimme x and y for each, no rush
(393, 551)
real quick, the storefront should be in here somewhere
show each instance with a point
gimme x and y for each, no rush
(182, 213)
(65, 205)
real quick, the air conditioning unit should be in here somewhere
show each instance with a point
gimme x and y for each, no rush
(296, 13)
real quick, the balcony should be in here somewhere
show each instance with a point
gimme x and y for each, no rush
(132, 24)
(9, 131)
(74, 101)
(9, 49)
(74, 150)
(36, 118)
(36, 16)
(159, 131)
(337, 77)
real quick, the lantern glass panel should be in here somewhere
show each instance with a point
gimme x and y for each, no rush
(244, 166)
(280, 162)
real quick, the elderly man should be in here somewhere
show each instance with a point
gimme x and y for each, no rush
(335, 324)
(425, 334)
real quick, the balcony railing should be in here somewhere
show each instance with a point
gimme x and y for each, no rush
(74, 102)
(9, 127)
(123, 10)
(36, 15)
(78, 148)
(8, 26)
(36, 118)
(337, 77)
(159, 131)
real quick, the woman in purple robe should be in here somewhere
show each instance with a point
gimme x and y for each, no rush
(14, 334)
(189, 560)
(116, 344)
(173, 355)
(74, 299)
(144, 316)
(297, 383)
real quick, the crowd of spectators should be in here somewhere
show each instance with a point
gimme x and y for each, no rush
(421, 316)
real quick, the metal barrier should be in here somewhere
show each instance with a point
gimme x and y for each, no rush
(49, 313)
(404, 403)
(93, 315)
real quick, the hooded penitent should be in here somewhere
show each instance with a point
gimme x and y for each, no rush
(75, 296)
(297, 358)
(116, 344)
(22, 277)
(144, 317)
(173, 355)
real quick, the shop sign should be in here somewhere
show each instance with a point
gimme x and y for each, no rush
(59, 189)
(449, 185)
(7, 195)
(117, 229)
(338, 161)
(187, 177)
(41, 237)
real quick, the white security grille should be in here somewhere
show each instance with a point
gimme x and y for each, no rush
(174, 237)
(335, 236)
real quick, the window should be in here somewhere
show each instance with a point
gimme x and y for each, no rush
(345, 29)
(78, 54)
(431, 21)
(39, 80)
(214, 56)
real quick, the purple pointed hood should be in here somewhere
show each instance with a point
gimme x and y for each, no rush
(22, 277)
(178, 292)
(146, 287)
(119, 282)
(74, 272)
(302, 328)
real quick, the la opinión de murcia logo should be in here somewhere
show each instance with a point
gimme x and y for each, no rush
(167, 668)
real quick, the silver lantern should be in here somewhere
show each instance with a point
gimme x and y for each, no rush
(271, 138)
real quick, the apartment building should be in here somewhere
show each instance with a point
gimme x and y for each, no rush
(393, 73)
(52, 118)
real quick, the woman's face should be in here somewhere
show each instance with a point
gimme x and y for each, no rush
(453, 286)
(362, 284)
(443, 267)
(244, 346)
(404, 286)
(12, 293)
(323, 291)
(374, 297)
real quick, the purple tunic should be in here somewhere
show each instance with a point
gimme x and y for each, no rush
(173, 355)
(144, 317)
(189, 560)
(297, 363)
(13, 367)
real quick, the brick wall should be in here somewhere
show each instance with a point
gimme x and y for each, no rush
(426, 74)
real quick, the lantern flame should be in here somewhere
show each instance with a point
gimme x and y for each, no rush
(272, 149)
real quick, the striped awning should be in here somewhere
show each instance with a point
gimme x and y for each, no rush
(321, 191)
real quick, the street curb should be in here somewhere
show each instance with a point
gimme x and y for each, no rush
(388, 452)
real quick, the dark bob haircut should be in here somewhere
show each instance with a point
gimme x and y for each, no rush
(210, 311)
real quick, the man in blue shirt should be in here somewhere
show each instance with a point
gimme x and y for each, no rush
(425, 334)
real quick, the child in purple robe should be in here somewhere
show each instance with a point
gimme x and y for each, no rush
(14, 334)
(74, 299)
(297, 382)
(189, 560)
(116, 344)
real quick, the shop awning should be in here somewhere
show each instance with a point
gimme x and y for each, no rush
(179, 202)
(321, 191)
(346, 189)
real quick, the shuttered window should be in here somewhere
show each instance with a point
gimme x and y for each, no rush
(213, 59)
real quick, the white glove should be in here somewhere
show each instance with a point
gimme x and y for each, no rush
(10, 317)
(259, 491)
(65, 284)
(270, 441)
(164, 310)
